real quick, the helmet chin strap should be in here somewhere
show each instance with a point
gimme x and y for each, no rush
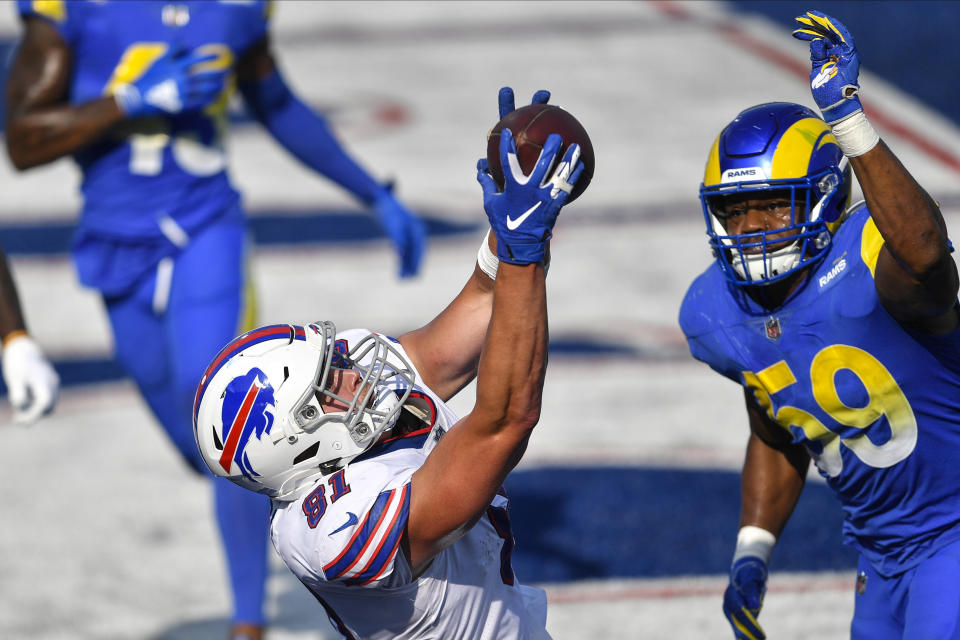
(762, 266)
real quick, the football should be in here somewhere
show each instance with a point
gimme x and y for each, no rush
(531, 125)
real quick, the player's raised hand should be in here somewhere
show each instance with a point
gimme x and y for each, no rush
(177, 82)
(508, 104)
(744, 597)
(406, 231)
(836, 65)
(31, 381)
(523, 214)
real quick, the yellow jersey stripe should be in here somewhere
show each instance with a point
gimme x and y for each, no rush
(56, 10)
(870, 244)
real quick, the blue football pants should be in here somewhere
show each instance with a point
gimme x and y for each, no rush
(920, 604)
(166, 352)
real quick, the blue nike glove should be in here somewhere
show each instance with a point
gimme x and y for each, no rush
(744, 597)
(523, 214)
(171, 86)
(507, 103)
(406, 230)
(836, 65)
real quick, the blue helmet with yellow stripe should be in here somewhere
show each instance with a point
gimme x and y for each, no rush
(783, 148)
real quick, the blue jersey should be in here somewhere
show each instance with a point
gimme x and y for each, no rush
(876, 405)
(152, 170)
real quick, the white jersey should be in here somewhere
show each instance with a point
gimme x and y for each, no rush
(341, 538)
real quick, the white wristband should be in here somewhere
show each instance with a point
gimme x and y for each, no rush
(489, 262)
(856, 135)
(756, 542)
(485, 258)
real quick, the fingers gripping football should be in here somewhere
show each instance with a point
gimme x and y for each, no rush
(508, 104)
(523, 214)
(562, 178)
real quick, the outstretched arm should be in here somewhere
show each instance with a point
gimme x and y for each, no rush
(915, 276)
(306, 134)
(451, 490)
(457, 482)
(446, 351)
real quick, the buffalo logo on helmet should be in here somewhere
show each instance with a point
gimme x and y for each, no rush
(248, 411)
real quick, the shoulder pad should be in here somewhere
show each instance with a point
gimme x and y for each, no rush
(348, 528)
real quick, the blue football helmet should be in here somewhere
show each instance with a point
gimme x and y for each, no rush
(784, 148)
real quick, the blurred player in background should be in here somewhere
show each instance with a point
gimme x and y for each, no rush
(137, 93)
(350, 435)
(31, 381)
(841, 325)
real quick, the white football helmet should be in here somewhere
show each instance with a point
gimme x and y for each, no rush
(257, 416)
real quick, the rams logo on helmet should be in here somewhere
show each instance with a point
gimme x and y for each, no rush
(827, 72)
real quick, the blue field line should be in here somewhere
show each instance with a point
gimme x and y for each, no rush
(635, 522)
(268, 228)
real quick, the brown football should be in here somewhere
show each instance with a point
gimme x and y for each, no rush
(531, 125)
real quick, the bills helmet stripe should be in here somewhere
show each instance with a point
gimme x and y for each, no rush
(271, 332)
(362, 538)
(248, 409)
(237, 427)
(388, 546)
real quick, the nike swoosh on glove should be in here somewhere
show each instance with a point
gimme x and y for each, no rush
(523, 214)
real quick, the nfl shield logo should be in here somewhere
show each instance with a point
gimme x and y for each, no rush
(175, 15)
(772, 326)
(861, 583)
